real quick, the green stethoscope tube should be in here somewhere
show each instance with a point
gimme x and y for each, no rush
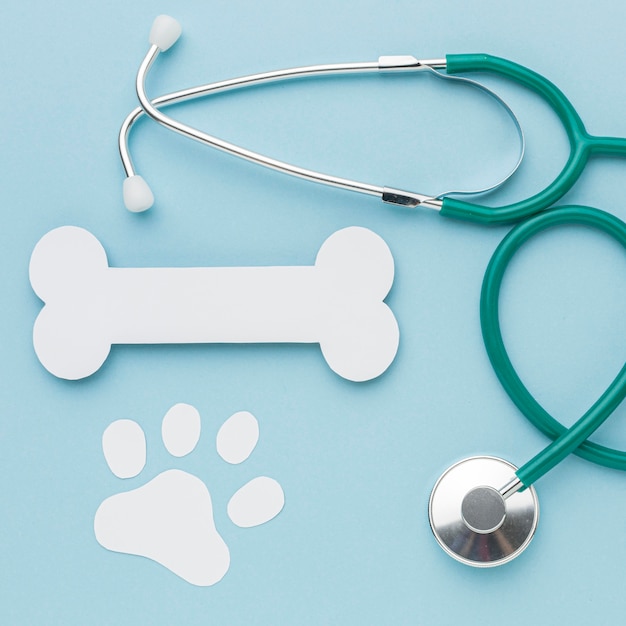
(582, 144)
(573, 439)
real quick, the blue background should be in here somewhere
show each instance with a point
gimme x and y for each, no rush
(356, 461)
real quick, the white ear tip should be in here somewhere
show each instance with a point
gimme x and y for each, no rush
(137, 195)
(164, 32)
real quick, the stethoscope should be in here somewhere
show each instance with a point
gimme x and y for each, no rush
(483, 510)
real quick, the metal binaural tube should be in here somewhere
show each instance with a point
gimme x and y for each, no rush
(138, 197)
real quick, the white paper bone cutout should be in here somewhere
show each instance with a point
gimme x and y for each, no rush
(337, 303)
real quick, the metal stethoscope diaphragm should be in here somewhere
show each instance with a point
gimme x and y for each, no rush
(476, 517)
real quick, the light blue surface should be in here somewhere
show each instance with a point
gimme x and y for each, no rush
(356, 461)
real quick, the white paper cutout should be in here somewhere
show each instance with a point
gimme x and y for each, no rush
(169, 519)
(237, 437)
(337, 303)
(180, 429)
(257, 502)
(124, 447)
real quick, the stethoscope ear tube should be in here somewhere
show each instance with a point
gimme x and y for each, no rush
(573, 439)
(166, 30)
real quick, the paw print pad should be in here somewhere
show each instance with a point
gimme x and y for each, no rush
(169, 519)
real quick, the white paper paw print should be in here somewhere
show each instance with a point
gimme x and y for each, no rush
(170, 518)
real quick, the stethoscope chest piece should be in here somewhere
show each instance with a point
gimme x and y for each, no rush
(473, 522)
